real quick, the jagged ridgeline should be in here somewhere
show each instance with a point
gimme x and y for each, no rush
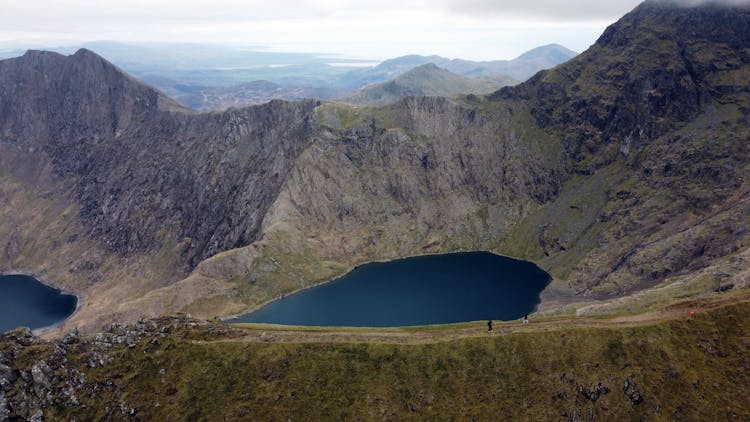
(615, 171)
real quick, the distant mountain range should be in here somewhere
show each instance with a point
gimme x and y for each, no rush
(426, 80)
(389, 81)
(206, 77)
(519, 69)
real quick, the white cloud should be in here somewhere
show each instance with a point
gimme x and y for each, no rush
(545, 10)
(500, 28)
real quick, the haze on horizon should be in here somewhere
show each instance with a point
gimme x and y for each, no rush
(470, 29)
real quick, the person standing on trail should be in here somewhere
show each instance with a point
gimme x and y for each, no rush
(489, 325)
(526, 319)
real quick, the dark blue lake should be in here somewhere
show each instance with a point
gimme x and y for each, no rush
(24, 301)
(435, 289)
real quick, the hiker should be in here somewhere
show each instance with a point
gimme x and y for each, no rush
(526, 319)
(489, 325)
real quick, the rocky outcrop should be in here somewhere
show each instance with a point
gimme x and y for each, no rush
(652, 119)
(649, 73)
(445, 177)
(54, 380)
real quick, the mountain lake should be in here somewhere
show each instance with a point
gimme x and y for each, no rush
(432, 289)
(24, 301)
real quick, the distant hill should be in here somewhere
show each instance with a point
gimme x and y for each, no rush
(520, 68)
(426, 80)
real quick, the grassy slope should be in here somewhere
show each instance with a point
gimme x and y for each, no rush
(427, 80)
(695, 369)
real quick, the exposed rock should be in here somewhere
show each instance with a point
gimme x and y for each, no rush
(71, 337)
(41, 374)
(4, 409)
(38, 416)
(724, 288)
(592, 392)
(49, 383)
(631, 390)
(142, 163)
(70, 394)
(26, 377)
(7, 377)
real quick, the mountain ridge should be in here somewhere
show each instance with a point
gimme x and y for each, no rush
(519, 68)
(424, 80)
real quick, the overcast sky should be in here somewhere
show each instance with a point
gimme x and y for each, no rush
(473, 29)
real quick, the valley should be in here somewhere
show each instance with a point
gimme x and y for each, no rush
(622, 173)
(620, 170)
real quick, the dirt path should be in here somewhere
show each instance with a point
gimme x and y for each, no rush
(262, 333)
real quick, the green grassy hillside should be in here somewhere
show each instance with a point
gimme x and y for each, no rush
(428, 80)
(674, 367)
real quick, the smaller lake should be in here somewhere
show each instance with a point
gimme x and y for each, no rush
(433, 289)
(24, 301)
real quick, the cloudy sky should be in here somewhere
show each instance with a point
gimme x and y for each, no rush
(473, 29)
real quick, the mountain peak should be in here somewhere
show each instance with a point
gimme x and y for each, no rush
(710, 21)
(425, 68)
(85, 52)
(555, 51)
(654, 69)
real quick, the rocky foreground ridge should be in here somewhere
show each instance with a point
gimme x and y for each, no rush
(56, 375)
(178, 368)
(621, 169)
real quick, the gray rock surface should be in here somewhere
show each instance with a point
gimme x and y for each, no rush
(4, 409)
(7, 377)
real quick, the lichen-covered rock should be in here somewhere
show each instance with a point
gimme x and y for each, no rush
(7, 377)
(71, 337)
(4, 409)
(38, 416)
(41, 374)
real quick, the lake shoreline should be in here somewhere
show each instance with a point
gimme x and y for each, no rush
(434, 288)
(80, 298)
(542, 295)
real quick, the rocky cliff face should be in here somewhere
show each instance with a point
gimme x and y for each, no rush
(147, 172)
(658, 108)
(652, 71)
(442, 177)
(616, 171)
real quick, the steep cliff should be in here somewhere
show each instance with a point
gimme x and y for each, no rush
(654, 121)
(146, 171)
(139, 176)
(616, 171)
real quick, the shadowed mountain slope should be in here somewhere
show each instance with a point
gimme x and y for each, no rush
(145, 169)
